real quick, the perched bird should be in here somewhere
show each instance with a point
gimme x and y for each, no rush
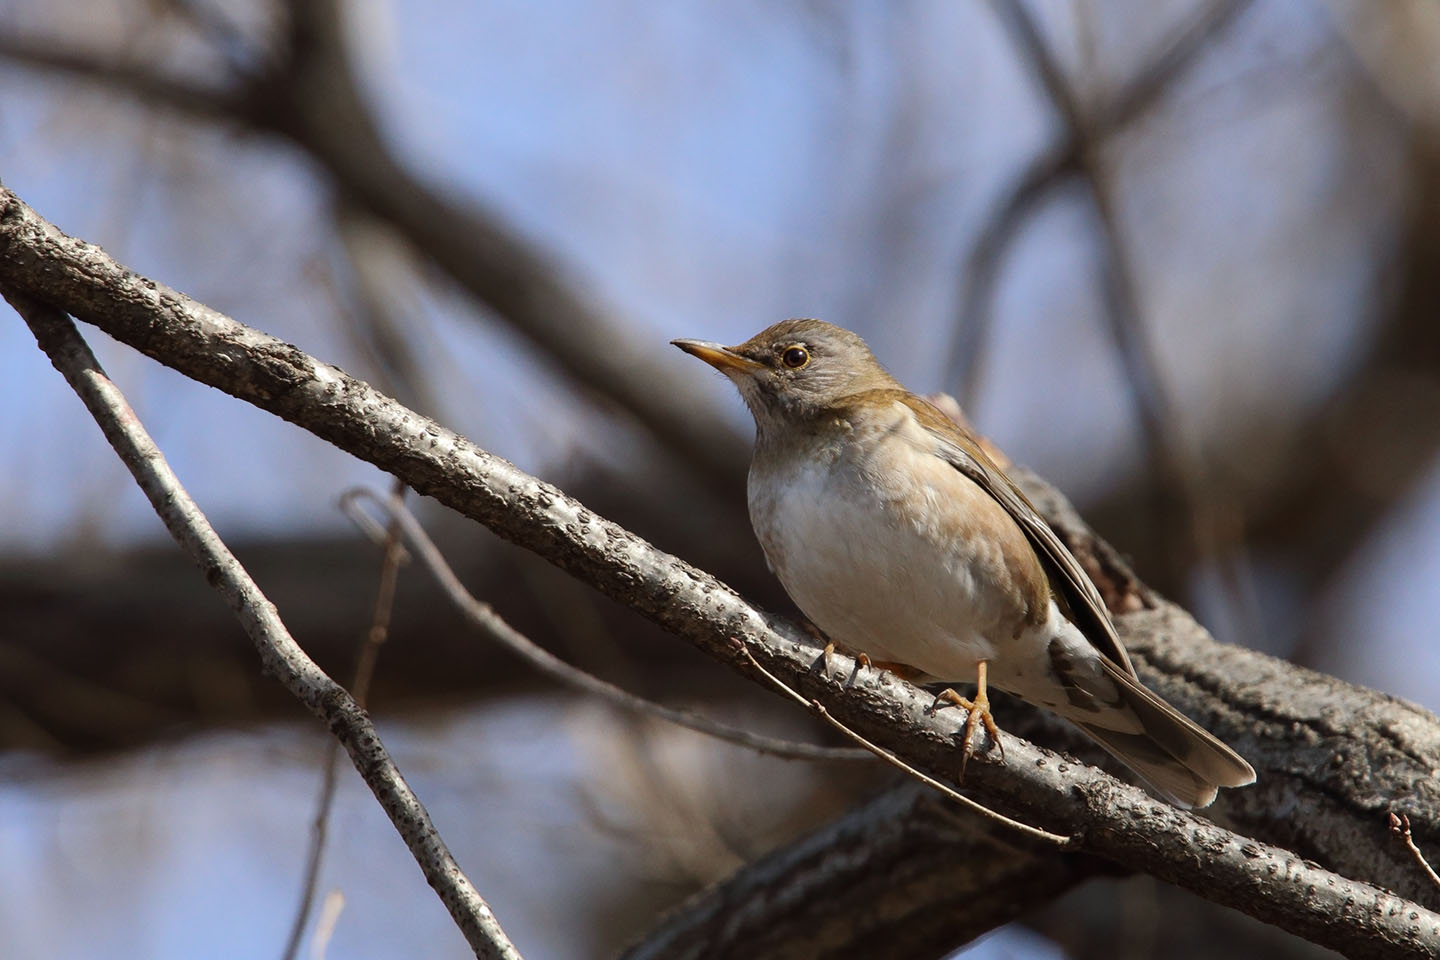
(899, 538)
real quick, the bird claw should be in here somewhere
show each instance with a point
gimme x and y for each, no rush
(861, 660)
(977, 715)
(825, 658)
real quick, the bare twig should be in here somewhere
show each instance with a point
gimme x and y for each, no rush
(1400, 829)
(982, 267)
(310, 97)
(1053, 167)
(315, 859)
(811, 703)
(279, 652)
(365, 660)
(1151, 398)
(1237, 691)
(1153, 80)
(138, 80)
(380, 617)
(483, 617)
(1191, 523)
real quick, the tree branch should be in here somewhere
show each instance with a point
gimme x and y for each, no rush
(930, 877)
(1230, 689)
(1057, 164)
(1187, 517)
(483, 619)
(279, 653)
(310, 97)
(367, 656)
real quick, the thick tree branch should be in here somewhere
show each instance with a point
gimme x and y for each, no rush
(279, 653)
(1227, 688)
(1330, 755)
(930, 877)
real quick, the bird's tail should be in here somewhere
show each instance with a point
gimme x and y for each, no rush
(1174, 755)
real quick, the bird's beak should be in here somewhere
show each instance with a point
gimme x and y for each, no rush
(722, 358)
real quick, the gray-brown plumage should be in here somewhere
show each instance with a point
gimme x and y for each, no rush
(894, 532)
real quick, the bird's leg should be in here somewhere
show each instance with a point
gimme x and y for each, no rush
(862, 659)
(978, 713)
(820, 637)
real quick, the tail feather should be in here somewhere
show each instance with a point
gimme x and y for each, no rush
(1171, 753)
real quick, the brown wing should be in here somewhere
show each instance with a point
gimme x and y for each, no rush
(1074, 590)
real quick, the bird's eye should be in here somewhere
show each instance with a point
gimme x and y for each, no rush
(795, 357)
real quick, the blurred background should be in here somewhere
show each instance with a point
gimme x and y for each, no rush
(1181, 258)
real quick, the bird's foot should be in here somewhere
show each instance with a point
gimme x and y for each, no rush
(862, 659)
(978, 714)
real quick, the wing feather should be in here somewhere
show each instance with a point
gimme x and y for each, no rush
(1068, 579)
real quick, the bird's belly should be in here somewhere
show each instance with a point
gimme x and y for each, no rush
(876, 581)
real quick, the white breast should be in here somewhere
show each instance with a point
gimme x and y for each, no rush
(865, 546)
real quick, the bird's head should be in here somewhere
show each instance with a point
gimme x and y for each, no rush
(796, 370)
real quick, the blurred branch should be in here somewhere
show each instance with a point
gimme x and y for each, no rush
(1286, 719)
(1057, 165)
(309, 95)
(482, 617)
(1154, 80)
(982, 266)
(1139, 918)
(1189, 525)
(1375, 439)
(1152, 401)
(392, 555)
(114, 74)
(384, 332)
(1352, 457)
(279, 653)
(929, 877)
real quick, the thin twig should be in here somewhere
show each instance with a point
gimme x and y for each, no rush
(279, 652)
(1400, 829)
(1055, 166)
(1152, 401)
(365, 660)
(483, 617)
(1182, 498)
(982, 268)
(1060, 840)
(319, 833)
(379, 631)
(1154, 79)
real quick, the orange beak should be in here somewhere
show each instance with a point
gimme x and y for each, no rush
(722, 358)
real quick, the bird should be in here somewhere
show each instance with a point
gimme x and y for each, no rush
(900, 539)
